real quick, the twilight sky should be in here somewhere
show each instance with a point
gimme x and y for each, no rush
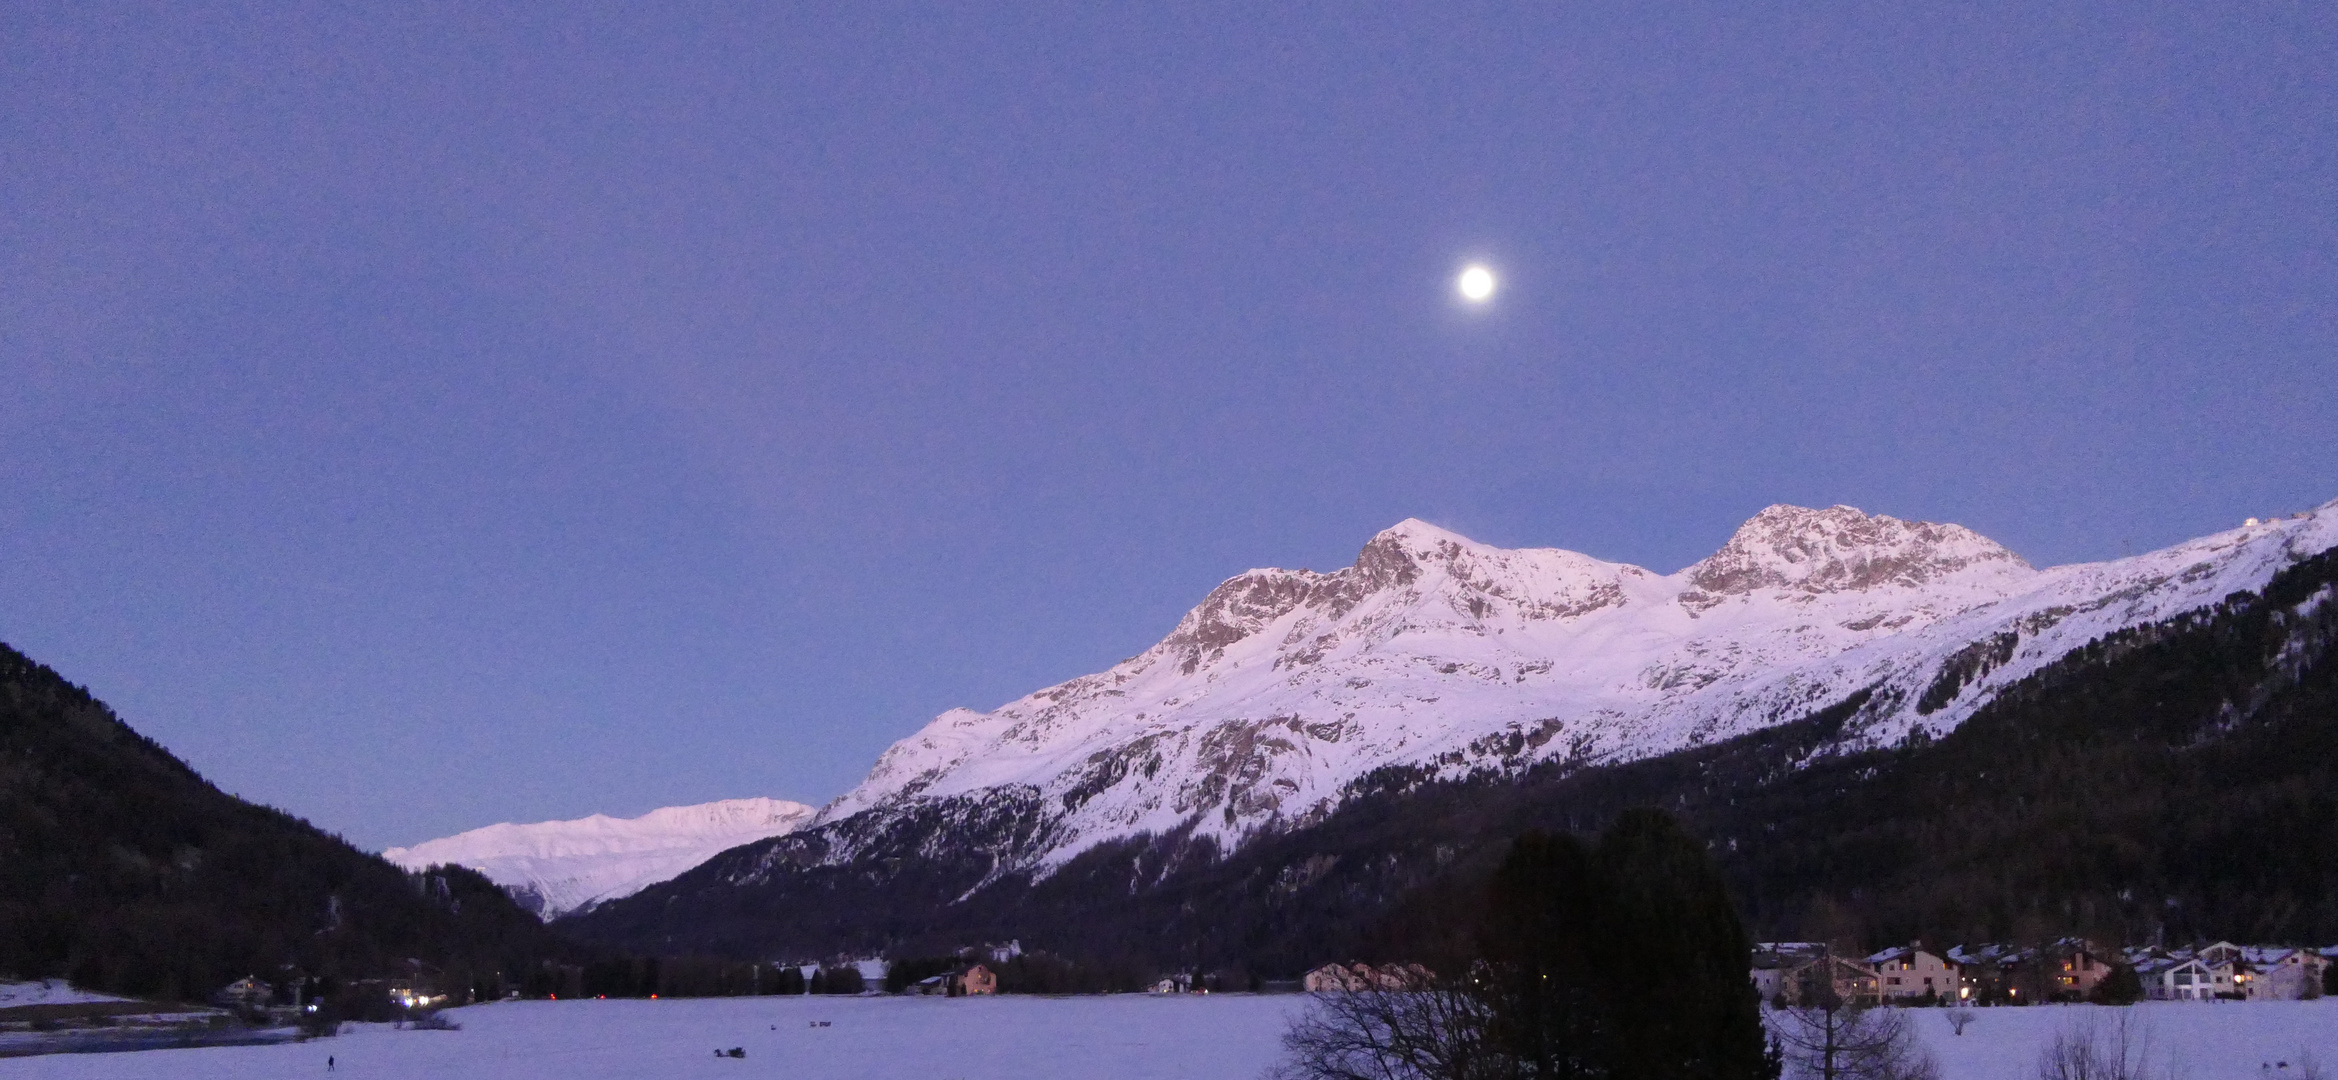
(427, 415)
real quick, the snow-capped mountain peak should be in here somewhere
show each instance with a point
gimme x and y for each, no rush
(555, 867)
(1840, 548)
(1437, 652)
(1412, 566)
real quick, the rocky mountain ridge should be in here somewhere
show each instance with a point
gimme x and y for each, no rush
(2178, 777)
(1437, 653)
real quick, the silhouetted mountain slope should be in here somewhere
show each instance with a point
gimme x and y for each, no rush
(123, 869)
(2181, 775)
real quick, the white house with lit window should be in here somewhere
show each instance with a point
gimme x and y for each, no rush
(1908, 972)
(2169, 978)
(245, 993)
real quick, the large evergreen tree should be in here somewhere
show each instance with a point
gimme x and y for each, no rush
(1620, 961)
(1542, 977)
(1674, 954)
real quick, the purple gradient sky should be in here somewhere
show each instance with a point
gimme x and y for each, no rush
(430, 415)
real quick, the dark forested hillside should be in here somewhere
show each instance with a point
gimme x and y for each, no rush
(2180, 778)
(124, 870)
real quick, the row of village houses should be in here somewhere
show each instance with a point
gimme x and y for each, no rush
(2070, 969)
(1784, 972)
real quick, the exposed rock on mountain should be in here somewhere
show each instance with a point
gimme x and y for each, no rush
(557, 867)
(1283, 687)
(1839, 549)
(2178, 775)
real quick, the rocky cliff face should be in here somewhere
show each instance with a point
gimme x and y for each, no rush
(1795, 550)
(1435, 652)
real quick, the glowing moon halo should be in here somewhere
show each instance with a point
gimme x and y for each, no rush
(1476, 284)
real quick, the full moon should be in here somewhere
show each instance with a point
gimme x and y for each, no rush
(1476, 284)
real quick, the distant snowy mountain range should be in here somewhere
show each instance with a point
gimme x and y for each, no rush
(1448, 657)
(1437, 652)
(558, 867)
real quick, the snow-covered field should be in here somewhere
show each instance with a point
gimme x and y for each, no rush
(1131, 1037)
(1134, 1037)
(48, 992)
(2270, 1040)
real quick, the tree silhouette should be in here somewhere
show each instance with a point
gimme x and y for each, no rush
(1620, 961)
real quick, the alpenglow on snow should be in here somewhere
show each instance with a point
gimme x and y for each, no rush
(1435, 651)
(557, 867)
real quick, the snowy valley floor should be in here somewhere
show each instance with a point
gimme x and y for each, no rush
(1127, 1038)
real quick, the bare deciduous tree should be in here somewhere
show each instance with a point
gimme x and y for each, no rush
(1423, 1033)
(2093, 1048)
(1958, 1018)
(1832, 1039)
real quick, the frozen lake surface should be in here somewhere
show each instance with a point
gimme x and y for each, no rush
(1128, 1037)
